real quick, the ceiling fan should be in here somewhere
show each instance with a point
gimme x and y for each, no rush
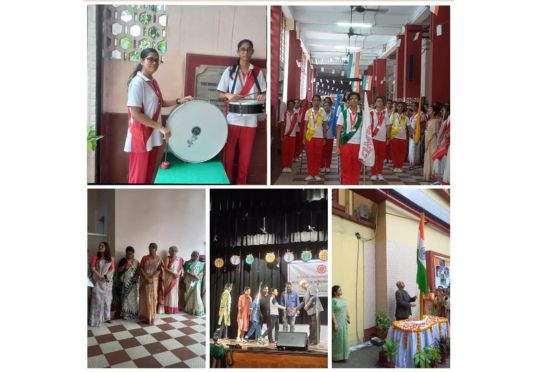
(361, 9)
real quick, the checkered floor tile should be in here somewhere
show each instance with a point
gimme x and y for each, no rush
(174, 341)
(407, 177)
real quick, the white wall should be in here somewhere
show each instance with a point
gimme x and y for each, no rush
(166, 217)
(213, 30)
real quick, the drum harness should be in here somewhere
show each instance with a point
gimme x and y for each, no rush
(255, 80)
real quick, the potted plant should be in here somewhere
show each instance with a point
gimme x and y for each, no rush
(434, 355)
(443, 345)
(422, 359)
(390, 351)
(383, 322)
(92, 138)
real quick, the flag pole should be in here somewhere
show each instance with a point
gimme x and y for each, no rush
(421, 306)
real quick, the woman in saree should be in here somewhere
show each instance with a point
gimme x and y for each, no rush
(243, 316)
(173, 269)
(193, 274)
(128, 271)
(340, 320)
(102, 269)
(150, 268)
(431, 140)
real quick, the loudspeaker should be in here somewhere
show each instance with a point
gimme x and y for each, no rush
(292, 341)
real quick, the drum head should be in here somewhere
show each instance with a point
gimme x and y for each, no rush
(198, 131)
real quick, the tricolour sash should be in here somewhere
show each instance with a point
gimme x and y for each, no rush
(346, 136)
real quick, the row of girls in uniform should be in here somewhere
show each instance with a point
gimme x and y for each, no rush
(393, 132)
(307, 128)
(143, 288)
(146, 131)
(393, 136)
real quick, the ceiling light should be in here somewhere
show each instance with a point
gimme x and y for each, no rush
(348, 24)
(346, 47)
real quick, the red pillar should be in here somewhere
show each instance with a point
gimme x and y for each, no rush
(370, 72)
(380, 76)
(399, 64)
(295, 52)
(439, 71)
(275, 34)
(413, 51)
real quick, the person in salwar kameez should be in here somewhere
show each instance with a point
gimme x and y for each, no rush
(340, 320)
(431, 140)
(150, 268)
(102, 270)
(128, 271)
(243, 316)
(193, 275)
(173, 269)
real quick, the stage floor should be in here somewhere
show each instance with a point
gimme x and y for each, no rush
(254, 355)
(321, 347)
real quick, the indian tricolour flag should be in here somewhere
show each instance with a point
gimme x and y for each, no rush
(354, 65)
(367, 83)
(421, 259)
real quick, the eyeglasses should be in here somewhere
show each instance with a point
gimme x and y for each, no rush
(246, 50)
(152, 60)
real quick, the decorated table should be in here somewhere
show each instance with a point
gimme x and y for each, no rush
(413, 334)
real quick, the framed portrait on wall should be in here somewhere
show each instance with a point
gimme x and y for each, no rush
(438, 269)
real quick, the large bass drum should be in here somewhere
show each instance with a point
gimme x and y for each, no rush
(198, 131)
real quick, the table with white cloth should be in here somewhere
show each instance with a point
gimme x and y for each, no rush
(414, 334)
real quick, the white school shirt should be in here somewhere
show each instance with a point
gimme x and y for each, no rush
(225, 86)
(297, 110)
(402, 133)
(381, 135)
(288, 123)
(356, 137)
(327, 116)
(140, 94)
(319, 133)
(274, 307)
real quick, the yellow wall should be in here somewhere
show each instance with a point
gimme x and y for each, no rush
(344, 252)
(395, 243)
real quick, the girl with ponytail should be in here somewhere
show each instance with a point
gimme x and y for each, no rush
(145, 127)
(238, 81)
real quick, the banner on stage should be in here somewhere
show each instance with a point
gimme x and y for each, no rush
(314, 271)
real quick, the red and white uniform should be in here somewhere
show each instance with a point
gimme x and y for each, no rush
(380, 120)
(142, 142)
(288, 137)
(327, 151)
(399, 142)
(350, 165)
(387, 152)
(315, 146)
(298, 142)
(242, 129)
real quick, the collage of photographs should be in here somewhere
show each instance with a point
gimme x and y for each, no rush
(268, 186)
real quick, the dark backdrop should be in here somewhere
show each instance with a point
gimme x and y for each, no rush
(252, 275)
